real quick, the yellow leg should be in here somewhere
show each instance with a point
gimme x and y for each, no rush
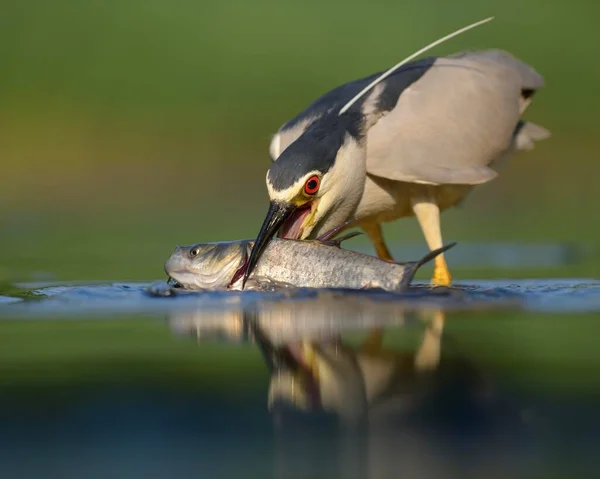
(376, 236)
(428, 215)
(428, 354)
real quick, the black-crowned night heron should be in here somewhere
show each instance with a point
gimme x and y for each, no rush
(408, 142)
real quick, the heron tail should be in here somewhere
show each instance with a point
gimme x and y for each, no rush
(527, 133)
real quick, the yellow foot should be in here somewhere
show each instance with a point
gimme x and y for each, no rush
(376, 236)
(384, 255)
(428, 354)
(441, 274)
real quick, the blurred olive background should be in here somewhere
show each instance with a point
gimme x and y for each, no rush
(130, 127)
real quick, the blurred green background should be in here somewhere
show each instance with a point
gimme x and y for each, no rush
(129, 127)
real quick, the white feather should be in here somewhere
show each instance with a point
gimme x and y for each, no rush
(275, 146)
(383, 76)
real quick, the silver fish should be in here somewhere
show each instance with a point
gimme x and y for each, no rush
(301, 264)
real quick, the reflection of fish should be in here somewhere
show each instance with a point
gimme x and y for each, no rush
(329, 313)
(304, 264)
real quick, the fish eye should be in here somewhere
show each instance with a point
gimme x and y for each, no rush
(312, 185)
(194, 252)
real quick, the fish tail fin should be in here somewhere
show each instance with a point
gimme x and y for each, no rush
(413, 266)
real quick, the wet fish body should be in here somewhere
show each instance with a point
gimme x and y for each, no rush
(300, 263)
(316, 265)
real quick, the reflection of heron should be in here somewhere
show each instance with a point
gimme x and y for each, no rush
(401, 410)
(334, 377)
(311, 367)
(404, 412)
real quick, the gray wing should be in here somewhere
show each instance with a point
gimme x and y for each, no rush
(452, 123)
(382, 98)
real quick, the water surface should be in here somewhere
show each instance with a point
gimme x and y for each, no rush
(487, 379)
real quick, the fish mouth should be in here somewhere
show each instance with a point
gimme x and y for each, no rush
(173, 283)
(293, 227)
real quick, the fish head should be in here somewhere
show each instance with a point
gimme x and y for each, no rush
(207, 265)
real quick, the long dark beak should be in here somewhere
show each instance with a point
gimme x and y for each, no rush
(276, 358)
(277, 214)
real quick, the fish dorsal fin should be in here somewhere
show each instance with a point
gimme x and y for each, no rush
(384, 75)
(338, 241)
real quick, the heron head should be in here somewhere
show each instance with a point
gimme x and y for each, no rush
(316, 183)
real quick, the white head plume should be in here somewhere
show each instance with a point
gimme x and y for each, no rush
(383, 76)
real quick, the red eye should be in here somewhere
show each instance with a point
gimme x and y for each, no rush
(312, 185)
